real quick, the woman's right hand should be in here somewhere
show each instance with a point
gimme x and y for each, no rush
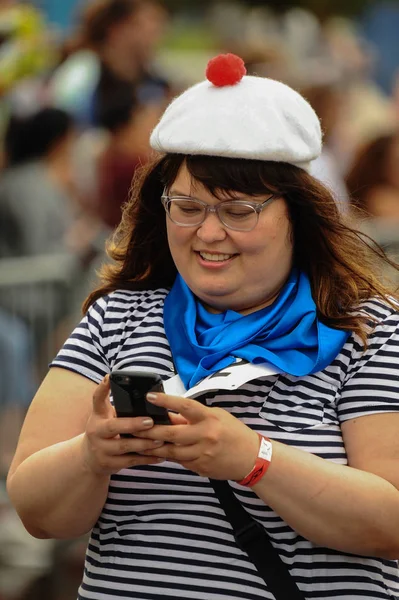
(105, 451)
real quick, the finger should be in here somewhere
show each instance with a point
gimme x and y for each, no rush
(190, 409)
(101, 403)
(173, 452)
(131, 445)
(177, 419)
(175, 434)
(124, 425)
(127, 461)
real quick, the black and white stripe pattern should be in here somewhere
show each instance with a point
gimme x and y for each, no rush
(162, 533)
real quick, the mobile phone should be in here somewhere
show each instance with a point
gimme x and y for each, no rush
(129, 389)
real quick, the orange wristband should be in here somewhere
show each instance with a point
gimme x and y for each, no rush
(261, 464)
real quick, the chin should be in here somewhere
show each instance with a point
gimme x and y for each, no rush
(220, 299)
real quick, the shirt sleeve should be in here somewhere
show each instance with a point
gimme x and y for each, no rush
(372, 382)
(84, 352)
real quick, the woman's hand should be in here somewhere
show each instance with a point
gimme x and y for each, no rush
(209, 441)
(105, 451)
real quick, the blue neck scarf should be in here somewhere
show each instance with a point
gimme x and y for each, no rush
(287, 334)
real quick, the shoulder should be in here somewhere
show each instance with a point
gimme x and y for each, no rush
(381, 313)
(382, 321)
(141, 297)
(117, 317)
(124, 304)
(383, 338)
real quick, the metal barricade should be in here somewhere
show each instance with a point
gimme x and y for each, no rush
(39, 292)
(36, 296)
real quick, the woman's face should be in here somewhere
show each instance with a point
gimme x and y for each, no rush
(255, 263)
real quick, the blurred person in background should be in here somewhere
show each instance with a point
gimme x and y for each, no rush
(38, 207)
(373, 179)
(127, 148)
(373, 183)
(112, 54)
(110, 63)
(28, 52)
(41, 215)
(369, 109)
(328, 99)
(27, 46)
(35, 205)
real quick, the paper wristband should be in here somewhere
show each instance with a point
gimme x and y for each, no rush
(261, 464)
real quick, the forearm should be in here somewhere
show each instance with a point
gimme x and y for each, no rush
(54, 492)
(332, 505)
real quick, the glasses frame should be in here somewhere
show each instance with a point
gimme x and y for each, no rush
(256, 206)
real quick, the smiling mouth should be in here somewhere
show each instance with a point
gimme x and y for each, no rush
(215, 257)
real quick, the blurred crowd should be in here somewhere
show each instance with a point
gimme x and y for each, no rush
(76, 111)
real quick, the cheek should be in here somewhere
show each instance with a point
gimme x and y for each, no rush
(178, 239)
(273, 238)
(283, 232)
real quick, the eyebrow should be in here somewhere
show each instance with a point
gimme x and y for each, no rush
(173, 192)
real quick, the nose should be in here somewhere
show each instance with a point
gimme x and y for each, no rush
(212, 229)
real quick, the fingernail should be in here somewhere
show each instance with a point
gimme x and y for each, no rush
(152, 397)
(157, 442)
(147, 422)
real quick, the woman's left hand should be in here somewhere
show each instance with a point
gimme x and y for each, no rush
(208, 441)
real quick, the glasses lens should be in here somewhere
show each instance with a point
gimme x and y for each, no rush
(186, 212)
(238, 216)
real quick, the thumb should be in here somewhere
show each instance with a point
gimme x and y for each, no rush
(101, 403)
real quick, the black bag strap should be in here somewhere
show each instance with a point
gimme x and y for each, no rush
(253, 539)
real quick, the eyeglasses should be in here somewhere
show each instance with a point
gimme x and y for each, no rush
(239, 215)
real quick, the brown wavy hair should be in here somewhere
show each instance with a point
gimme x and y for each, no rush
(340, 261)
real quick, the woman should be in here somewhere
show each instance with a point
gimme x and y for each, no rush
(373, 182)
(251, 266)
(111, 57)
(126, 149)
(373, 179)
(36, 188)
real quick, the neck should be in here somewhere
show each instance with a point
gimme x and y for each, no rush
(59, 166)
(248, 310)
(118, 61)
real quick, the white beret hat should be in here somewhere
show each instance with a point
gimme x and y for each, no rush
(239, 116)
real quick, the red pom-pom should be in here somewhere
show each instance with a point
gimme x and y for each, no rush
(225, 69)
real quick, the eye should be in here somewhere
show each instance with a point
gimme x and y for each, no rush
(237, 211)
(187, 207)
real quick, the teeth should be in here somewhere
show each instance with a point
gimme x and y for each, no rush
(215, 257)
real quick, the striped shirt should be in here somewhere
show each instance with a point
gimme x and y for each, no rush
(162, 533)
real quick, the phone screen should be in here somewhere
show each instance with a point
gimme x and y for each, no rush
(129, 391)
